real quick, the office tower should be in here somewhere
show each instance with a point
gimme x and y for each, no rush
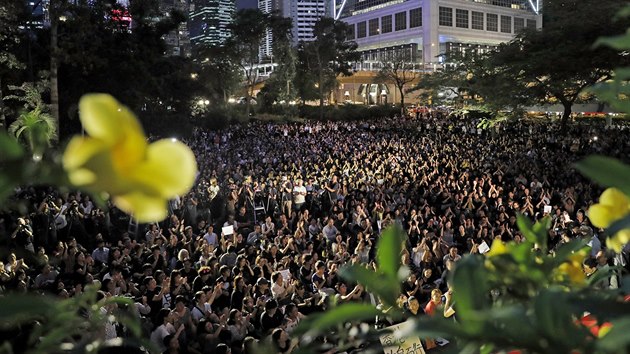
(209, 21)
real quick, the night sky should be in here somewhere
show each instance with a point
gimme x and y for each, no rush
(246, 4)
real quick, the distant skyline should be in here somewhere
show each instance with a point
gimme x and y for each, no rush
(246, 4)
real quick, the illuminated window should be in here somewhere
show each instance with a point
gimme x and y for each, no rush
(374, 31)
(446, 16)
(361, 30)
(415, 18)
(386, 24)
(461, 18)
(477, 20)
(401, 21)
(506, 24)
(492, 22)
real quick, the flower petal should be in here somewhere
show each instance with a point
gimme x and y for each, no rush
(603, 215)
(105, 118)
(82, 177)
(144, 208)
(614, 243)
(615, 198)
(108, 120)
(169, 169)
(497, 248)
(80, 150)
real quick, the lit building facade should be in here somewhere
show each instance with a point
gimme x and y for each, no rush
(209, 21)
(304, 14)
(267, 7)
(428, 29)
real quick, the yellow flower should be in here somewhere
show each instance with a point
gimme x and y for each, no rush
(613, 205)
(497, 248)
(573, 271)
(116, 159)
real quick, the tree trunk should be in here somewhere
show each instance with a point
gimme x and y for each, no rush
(321, 102)
(247, 107)
(566, 114)
(402, 101)
(54, 85)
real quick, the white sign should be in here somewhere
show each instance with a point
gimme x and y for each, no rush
(396, 340)
(483, 247)
(227, 230)
(286, 275)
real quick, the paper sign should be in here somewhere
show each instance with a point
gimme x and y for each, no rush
(228, 230)
(483, 247)
(286, 275)
(396, 341)
(547, 209)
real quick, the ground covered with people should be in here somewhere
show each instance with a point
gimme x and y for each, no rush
(278, 209)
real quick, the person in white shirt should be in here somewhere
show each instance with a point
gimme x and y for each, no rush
(299, 194)
(280, 290)
(160, 332)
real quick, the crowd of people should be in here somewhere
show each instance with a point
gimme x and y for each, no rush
(278, 209)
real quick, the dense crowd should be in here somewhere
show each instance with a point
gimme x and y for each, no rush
(278, 208)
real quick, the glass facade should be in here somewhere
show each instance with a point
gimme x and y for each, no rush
(351, 34)
(506, 24)
(531, 23)
(401, 21)
(461, 18)
(386, 24)
(513, 4)
(446, 16)
(373, 24)
(492, 22)
(519, 24)
(415, 18)
(477, 20)
(361, 30)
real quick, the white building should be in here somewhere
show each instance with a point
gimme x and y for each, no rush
(428, 29)
(303, 14)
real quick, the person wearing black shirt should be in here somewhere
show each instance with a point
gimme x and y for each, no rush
(155, 294)
(271, 318)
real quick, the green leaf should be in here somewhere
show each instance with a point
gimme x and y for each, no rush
(388, 251)
(322, 322)
(621, 42)
(17, 309)
(382, 286)
(606, 171)
(541, 229)
(486, 349)
(470, 289)
(11, 149)
(525, 226)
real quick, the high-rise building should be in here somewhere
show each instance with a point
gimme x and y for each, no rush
(178, 40)
(304, 14)
(267, 7)
(209, 21)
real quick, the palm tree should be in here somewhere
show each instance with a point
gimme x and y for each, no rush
(36, 128)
